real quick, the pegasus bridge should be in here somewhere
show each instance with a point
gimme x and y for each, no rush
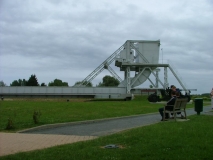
(139, 57)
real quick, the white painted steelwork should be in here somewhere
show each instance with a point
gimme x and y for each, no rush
(137, 52)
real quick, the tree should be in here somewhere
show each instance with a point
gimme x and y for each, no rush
(88, 85)
(109, 81)
(2, 84)
(100, 84)
(58, 82)
(19, 82)
(15, 83)
(32, 81)
(43, 84)
(23, 82)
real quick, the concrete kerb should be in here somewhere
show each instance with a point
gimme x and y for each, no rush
(49, 126)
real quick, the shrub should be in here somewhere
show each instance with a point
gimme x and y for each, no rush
(36, 116)
(10, 124)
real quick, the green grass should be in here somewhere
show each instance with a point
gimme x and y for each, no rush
(189, 140)
(166, 140)
(59, 111)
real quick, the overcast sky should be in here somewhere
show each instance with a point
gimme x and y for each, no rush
(68, 39)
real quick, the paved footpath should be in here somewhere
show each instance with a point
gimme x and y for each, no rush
(11, 143)
(58, 134)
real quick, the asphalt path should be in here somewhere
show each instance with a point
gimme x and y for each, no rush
(105, 126)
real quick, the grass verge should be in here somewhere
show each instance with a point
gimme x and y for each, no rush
(20, 112)
(189, 140)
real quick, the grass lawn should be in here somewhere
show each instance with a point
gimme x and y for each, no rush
(189, 140)
(59, 110)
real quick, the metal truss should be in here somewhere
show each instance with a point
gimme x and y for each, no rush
(102, 66)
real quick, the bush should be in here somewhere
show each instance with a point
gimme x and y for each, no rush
(36, 116)
(10, 124)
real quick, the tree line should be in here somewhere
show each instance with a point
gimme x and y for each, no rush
(33, 81)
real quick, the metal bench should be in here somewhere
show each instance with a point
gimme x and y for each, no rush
(179, 106)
